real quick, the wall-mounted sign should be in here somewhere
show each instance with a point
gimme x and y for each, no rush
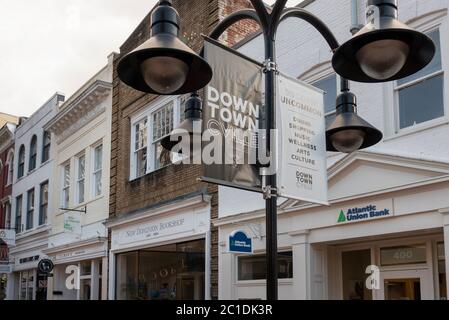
(72, 222)
(28, 259)
(5, 268)
(160, 228)
(239, 242)
(302, 141)
(8, 236)
(367, 212)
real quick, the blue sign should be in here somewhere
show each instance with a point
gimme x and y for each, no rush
(239, 242)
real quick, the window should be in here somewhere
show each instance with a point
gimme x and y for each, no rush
(420, 97)
(98, 171)
(7, 209)
(147, 154)
(10, 168)
(140, 148)
(354, 264)
(43, 204)
(18, 224)
(33, 154)
(46, 147)
(27, 285)
(172, 272)
(255, 267)
(21, 166)
(80, 178)
(30, 209)
(162, 124)
(329, 86)
(414, 254)
(65, 196)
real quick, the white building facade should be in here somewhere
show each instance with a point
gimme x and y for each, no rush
(388, 217)
(32, 184)
(78, 242)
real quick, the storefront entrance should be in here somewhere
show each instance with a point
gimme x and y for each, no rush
(405, 285)
(397, 269)
(172, 272)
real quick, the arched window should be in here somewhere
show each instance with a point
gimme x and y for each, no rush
(46, 147)
(21, 166)
(10, 163)
(33, 154)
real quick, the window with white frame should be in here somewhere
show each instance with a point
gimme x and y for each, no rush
(46, 146)
(420, 97)
(10, 168)
(7, 208)
(43, 204)
(148, 130)
(329, 86)
(97, 171)
(33, 154)
(65, 194)
(21, 166)
(162, 125)
(80, 178)
(18, 222)
(30, 210)
(140, 148)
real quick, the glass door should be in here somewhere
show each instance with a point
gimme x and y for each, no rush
(405, 285)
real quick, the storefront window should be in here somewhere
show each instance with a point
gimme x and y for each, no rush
(173, 272)
(254, 267)
(354, 265)
(414, 254)
(27, 284)
(442, 271)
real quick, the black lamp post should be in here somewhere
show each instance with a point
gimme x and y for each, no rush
(146, 69)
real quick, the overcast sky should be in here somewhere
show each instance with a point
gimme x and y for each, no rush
(49, 46)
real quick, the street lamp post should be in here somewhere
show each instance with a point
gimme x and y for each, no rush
(408, 51)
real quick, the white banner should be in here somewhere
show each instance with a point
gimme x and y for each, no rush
(8, 236)
(302, 142)
(72, 222)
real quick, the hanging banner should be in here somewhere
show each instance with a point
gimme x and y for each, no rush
(72, 222)
(302, 141)
(232, 108)
(8, 236)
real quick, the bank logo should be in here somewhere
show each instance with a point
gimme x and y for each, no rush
(342, 217)
(361, 214)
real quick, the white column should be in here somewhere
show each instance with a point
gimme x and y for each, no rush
(301, 265)
(11, 289)
(208, 272)
(95, 280)
(111, 294)
(50, 287)
(445, 213)
(104, 279)
(226, 274)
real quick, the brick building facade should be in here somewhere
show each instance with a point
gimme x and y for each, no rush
(129, 197)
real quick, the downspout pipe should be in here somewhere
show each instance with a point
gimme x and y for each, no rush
(355, 25)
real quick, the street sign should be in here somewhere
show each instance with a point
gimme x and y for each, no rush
(8, 236)
(302, 142)
(45, 266)
(231, 112)
(239, 242)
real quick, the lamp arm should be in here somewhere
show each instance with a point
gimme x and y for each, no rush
(319, 25)
(233, 18)
(262, 13)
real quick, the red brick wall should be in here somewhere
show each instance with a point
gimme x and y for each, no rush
(5, 191)
(197, 17)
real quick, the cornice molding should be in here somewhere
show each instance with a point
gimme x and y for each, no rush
(80, 111)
